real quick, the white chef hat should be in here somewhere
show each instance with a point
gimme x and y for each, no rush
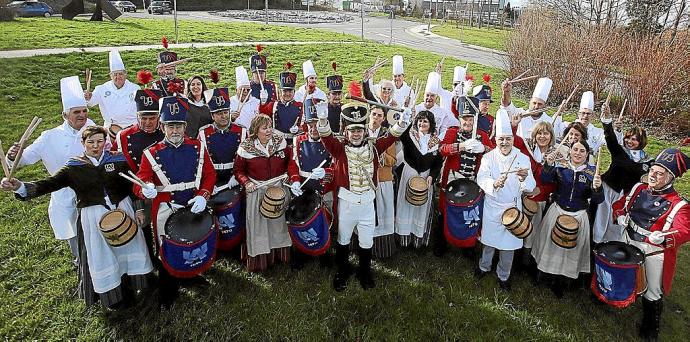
(433, 82)
(241, 77)
(308, 69)
(459, 74)
(72, 93)
(543, 88)
(587, 101)
(398, 65)
(503, 127)
(115, 60)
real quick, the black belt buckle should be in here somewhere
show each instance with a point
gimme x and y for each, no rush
(633, 235)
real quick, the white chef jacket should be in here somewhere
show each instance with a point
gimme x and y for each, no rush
(249, 110)
(444, 118)
(117, 106)
(527, 124)
(401, 93)
(318, 93)
(54, 148)
(494, 233)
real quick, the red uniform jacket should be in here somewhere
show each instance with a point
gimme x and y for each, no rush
(452, 160)
(133, 148)
(681, 223)
(251, 162)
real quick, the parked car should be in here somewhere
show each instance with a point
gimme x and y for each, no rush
(32, 9)
(125, 6)
(160, 7)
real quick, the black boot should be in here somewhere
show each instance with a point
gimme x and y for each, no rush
(651, 319)
(558, 285)
(440, 244)
(296, 259)
(343, 267)
(364, 271)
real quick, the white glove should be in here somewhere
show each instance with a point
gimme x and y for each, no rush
(263, 96)
(149, 191)
(294, 129)
(622, 221)
(322, 110)
(656, 238)
(474, 146)
(406, 115)
(458, 90)
(467, 86)
(198, 204)
(294, 188)
(318, 173)
(233, 182)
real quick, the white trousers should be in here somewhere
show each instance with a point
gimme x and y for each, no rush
(654, 270)
(361, 216)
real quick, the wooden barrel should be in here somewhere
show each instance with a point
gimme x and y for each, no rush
(564, 233)
(117, 227)
(516, 222)
(529, 206)
(417, 192)
(273, 202)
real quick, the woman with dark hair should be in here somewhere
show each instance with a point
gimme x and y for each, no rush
(629, 162)
(576, 185)
(198, 114)
(104, 261)
(420, 146)
(261, 163)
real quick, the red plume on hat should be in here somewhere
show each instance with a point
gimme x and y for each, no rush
(144, 77)
(288, 66)
(334, 66)
(486, 78)
(259, 48)
(165, 42)
(215, 77)
(469, 77)
(355, 89)
(175, 87)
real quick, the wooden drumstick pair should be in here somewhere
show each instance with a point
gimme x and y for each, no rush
(134, 179)
(9, 172)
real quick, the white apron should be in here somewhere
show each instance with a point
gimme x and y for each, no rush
(604, 227)
(385, 209)
(412, 219)
(62, 213)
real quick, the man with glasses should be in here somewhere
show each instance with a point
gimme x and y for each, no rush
(115, 98)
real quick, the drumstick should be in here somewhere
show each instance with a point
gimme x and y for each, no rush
(416, 93)
(22, 143)
(564, 104)
(513, 171)
(620, 116)
(668, 233)
(310, 174)
(134, 176)
(5, 167)
(523, 79)
(88, 79)
(518, 76)
(596, 171)
(511, 163)
(134, 181)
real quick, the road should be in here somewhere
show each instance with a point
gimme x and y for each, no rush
(405, 33)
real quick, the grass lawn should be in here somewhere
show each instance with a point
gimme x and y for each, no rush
(418, 296)
(80, 32)
(485, 37)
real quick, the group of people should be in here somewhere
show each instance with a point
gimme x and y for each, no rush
(279, 168)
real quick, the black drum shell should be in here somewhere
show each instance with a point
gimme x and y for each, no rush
(225, 196)
(303, 207)
(462, 190)
(183, 226)
(620, 253)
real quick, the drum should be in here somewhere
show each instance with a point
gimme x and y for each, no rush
(463, 210)
(309, 222)
(516, 222)
(117, 227)
(620, 273)
(189, 244)
(113, 129)
(564, 234)
(417, 192)
(273, 202)
(230, 215)
(529, 207)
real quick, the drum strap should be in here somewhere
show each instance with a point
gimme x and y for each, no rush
(167, 186)
(119, 143)
(672, 215)
(157, 168)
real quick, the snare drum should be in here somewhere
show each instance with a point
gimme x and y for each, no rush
(188, 247)
(620, 273)
(309, 222)
(230, 214)
(464, 207)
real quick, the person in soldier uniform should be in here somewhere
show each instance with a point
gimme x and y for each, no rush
(657, 221)
(335, 97)
(115, 98)
(310, 160)
(261, 87)
(99, 189)
(167, 71)
(178, 172)
(133, 140)
(286, 113)
(462, 153)
(309, 89)
(355, 172)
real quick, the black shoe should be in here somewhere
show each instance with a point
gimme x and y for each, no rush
(504, 285)
(198, 281)
(557, 291)
(651, 320)
(469, 253)
(479, 274)
(366, 280)
(440, 250)
(342, 274)
(164, 306)
(340, 281)
(296, 260)
(326, 260)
